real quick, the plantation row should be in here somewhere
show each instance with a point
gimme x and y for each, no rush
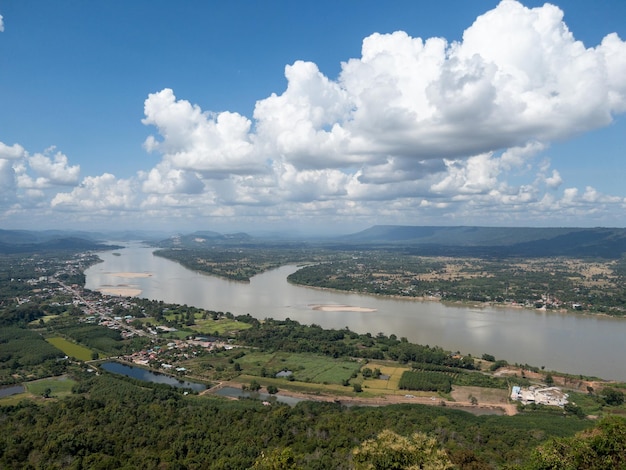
(425, 381)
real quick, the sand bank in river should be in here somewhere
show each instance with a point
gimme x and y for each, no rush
(341, 308)
(120, 291)
(131, 275)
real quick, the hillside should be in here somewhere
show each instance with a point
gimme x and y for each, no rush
(496, 241)
(26, 241)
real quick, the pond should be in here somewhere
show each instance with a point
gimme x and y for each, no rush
(13, 390)
(149, 376)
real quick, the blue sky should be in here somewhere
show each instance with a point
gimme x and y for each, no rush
(311, 116)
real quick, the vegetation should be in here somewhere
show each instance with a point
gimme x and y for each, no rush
(113, 421)
(391, 451)
(74, 418)
(603, 447)
(427, 381)
(71, 349)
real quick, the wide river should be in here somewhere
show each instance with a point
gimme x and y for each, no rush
(577, 344)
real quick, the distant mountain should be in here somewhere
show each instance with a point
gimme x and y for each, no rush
(27, 241)
(496, 241)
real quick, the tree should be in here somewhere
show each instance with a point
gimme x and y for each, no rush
(357, 387)
(612, 396)
(277, 459)
(603, 447)
(549, 380)
(255, 386)
(272, 389)
(390, 451)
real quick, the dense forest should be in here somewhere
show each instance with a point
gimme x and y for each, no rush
(114, 423)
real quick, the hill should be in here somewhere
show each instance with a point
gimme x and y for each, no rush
(496, 241)
(26, 241)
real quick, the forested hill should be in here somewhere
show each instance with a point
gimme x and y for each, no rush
(26, 241)
(496, 241)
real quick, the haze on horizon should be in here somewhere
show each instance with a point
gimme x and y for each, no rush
(311, 117)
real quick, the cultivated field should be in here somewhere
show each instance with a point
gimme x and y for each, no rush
(70, 349)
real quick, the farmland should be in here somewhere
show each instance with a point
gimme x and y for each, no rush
(71, 349)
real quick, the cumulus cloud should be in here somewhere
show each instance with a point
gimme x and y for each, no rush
(414, 126)
(1, 24)
(13, 152)
(410, 109)
(98, 193)
(210, 143)
(164, 180)
(50, 171)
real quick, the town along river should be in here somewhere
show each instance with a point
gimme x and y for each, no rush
(572, 343)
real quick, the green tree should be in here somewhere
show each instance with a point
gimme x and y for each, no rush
(255, 386)
(390, 451)
(277, 459)
(612, 396)
(601, 448)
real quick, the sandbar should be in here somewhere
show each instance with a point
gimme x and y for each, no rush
(120, 291)
(132, 275)
(341, 308)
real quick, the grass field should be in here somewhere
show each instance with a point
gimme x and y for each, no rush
(305, 367)
(210, 326)
(59, 386)
(393, 371)
(71, 349)
(45, 318)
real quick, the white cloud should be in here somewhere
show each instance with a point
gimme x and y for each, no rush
(1, 24)
(302, 124)
(214, 144)
(459, 115)
(97, 193)
(50, 171)
(554, 181)
(165, 180)
(14, 152)
(412, 128)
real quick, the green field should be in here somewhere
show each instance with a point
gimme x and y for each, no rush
(71, 349)
(305, 367)
(208, 326)
(221, 326)
(59, 386)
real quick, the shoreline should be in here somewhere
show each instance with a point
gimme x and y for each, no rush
(464, 303)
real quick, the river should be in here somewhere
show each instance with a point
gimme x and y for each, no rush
(572, 343)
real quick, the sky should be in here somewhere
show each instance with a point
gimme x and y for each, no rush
(311, 117)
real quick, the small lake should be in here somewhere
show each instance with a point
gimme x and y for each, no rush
(149, 376)
(13, 390)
